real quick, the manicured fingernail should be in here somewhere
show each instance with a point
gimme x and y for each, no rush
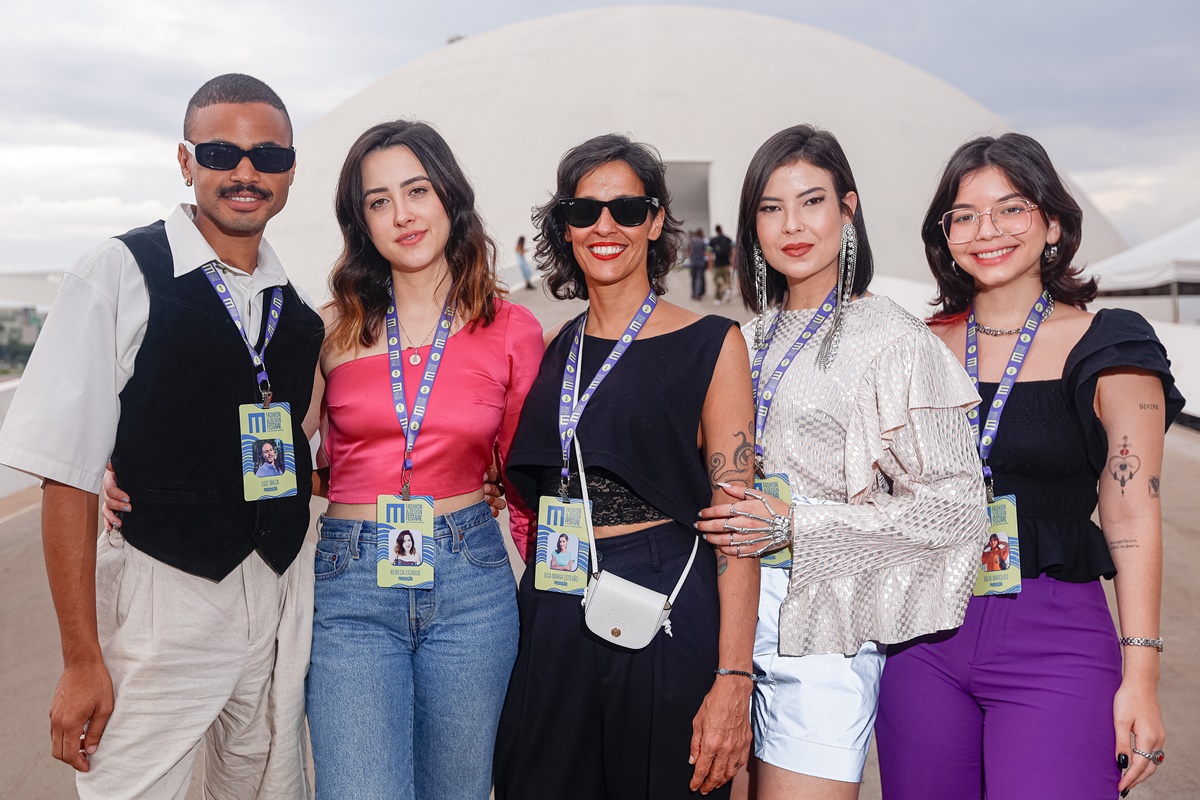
(723, 485)
(91, 751)
(1125, 793)
(126, 508)
(1123, 760)
(691, 759)
(124, 499)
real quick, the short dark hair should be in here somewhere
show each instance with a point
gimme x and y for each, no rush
(554, 254)
(232, 87)
(1027, 167)
(718, 229)
(822, 150)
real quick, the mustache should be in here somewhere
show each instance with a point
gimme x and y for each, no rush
(245, 188)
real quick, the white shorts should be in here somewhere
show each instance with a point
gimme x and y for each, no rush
(812, 714)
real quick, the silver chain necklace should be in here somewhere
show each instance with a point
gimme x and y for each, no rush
(1003, 332)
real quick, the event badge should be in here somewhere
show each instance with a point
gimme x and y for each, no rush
(561, 561)
(405, 548)
(1000, 562)
(776, 485)
(268, 454)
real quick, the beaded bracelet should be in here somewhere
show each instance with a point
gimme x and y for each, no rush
(754, 678)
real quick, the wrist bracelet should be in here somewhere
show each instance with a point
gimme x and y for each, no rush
(753, 678)
(1139, 641)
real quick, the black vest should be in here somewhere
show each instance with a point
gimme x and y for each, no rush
(178, 453)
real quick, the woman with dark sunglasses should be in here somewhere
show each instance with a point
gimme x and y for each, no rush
(1023, 700)
(659, 406)
(424, 369)
(870, 519)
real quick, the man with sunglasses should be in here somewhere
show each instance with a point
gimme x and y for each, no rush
(191, 622)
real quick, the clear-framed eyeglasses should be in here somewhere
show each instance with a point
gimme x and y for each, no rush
(961, 225)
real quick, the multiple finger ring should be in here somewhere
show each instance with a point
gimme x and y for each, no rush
(1156, 756)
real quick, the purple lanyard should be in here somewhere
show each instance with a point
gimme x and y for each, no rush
(264, 385)
(412, 425)
(570, 404)
(763, 401)
(1015, 361)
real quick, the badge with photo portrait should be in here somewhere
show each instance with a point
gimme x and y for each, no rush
(563, 551)
(1000, 562)
(268, 455)
(776, 485)
(405, 549)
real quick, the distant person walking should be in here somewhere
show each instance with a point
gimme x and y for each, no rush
(523, 263)
(722, 252)
(698, 263)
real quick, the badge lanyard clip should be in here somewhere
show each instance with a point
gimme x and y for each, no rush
(256, 356)
(412, 425)
(987, 437)
(763, 400)
(570, 402)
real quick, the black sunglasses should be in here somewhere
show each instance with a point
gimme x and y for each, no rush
(223, 157)
(628, 212)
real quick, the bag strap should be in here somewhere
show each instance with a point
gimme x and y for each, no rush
(587, 517)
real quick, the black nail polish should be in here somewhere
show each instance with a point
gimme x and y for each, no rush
(1123, 760)
(1125, 793)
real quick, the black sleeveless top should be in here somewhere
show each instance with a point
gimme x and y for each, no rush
(1052, 449)
(639, 428)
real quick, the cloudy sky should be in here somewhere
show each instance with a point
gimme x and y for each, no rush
(93, 92)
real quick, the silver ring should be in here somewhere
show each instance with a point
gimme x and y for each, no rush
(725, 524)
(1157, 756)
(731, 511)
(730, 538)
(738, 551)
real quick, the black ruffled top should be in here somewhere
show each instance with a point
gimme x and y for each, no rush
(1052, 448)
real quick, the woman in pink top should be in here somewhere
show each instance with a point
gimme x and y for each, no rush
(426, 368)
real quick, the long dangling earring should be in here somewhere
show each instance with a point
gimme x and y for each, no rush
(847, 263)
(760, 291)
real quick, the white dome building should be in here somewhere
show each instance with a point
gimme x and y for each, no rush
(705, 86)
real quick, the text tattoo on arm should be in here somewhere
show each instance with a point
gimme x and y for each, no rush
(725, 469)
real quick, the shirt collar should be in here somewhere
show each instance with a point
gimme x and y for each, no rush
(190, 250)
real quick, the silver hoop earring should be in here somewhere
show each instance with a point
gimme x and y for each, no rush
(760, 293)
(847, 265)
(187, 182)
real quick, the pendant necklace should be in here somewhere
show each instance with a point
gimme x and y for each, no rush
(415, 357)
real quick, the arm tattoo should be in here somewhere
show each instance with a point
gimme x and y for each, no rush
(724, 469)
(1154, 486)
(1124, 544)
(1124, 465)
(722, 564)
(1148, 406)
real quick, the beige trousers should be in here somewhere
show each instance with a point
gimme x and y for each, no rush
(197, 663)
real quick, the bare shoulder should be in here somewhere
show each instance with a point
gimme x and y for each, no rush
(668, 317)
(1067, 326)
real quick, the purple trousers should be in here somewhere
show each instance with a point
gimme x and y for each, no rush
(1017, 703)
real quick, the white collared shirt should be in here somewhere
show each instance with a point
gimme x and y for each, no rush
(63, 420)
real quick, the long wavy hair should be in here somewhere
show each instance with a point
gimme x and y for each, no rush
(822, 150)
(360, 279)
(554, 253)
(1027, 167)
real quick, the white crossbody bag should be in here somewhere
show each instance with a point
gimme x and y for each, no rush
(618, 610)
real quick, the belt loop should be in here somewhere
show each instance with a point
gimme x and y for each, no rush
(355, 533)
(653, 542)
(455, 532)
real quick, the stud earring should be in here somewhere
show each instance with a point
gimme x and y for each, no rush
(1050, 254)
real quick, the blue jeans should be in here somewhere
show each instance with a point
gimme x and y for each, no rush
(406, 685)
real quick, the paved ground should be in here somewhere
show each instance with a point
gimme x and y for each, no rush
(30, 660)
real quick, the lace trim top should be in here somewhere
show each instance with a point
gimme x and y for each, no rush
(614, 502)
(883, 435)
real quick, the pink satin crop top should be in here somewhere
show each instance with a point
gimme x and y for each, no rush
(475, 404)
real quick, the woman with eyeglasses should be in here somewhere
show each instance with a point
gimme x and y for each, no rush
(869, 517)
(658, 401)
(1031, 696)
